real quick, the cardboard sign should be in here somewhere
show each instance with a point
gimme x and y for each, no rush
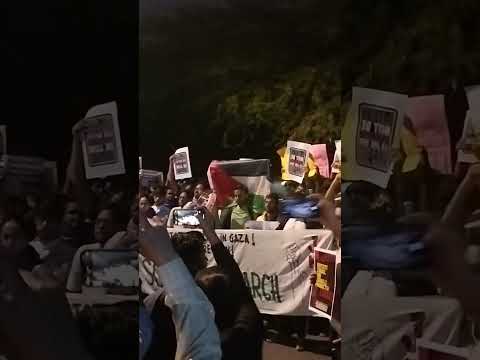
(181, 164)
(320, 156)
(429, 120)
(101, 144)
(373, 129)
(297, 157)
(322, 294)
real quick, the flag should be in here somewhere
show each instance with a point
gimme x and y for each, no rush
(224, 176)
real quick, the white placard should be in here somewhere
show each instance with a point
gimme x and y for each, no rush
(297, 157)
(101, 143)
(373, 131)
(181, 164)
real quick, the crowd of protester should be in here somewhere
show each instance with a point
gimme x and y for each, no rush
(426, 289)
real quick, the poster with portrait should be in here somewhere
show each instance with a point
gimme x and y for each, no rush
(374, 131)
(181, 164)
(297, 156)
(322, 294)
(101, 142)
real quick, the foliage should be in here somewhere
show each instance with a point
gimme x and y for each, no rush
(240, 81)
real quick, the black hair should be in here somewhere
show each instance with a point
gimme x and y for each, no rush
(119, 217)
(273, 196)
(218, 287)
(190, 247)
(241, 187)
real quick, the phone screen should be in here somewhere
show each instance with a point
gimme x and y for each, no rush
(186, 217)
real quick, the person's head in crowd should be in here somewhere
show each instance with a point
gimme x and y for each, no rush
(72, 215)
(290, 187)
(170, 196)
(32, 200)
(199, 190)
(366, 203)
(272, 204)
(189, 188)
(183, 198)
(107, 224)
(190, 247)
(144, 203)
(217, 285)
(301, 190)
(240, 195)
(98, 187)
(48, 219)
(13, 239)
(158, 196)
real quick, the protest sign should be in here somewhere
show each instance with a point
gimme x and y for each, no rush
(320, 156)
(181, 164)
(373, 128)
(275, 266)
(151, 177)
(337, 157)
(429, 120)
(297, 157)
(101, 142)
(322, 294)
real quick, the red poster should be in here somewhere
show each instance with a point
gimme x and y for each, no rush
(323, 291)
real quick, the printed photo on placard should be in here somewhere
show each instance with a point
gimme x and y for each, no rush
(375, 133)
(181, 164)
(101, 142)
(297, 157)
(323, 291)
(296, 161)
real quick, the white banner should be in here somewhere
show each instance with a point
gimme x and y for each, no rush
(275, 265)
(181, 164)
(297, 156)
(101, 144)
(374, 132)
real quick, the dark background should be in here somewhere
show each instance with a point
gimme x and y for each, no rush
(64, 57)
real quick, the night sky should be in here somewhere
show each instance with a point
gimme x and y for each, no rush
(63, 58)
